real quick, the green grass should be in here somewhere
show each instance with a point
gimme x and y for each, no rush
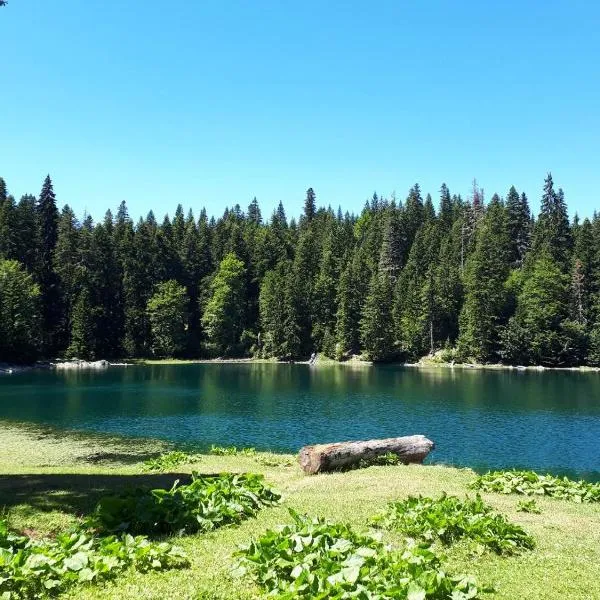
(50, 481)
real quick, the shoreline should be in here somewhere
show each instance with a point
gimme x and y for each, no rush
(76, 364)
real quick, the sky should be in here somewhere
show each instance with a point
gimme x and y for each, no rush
(212, 102)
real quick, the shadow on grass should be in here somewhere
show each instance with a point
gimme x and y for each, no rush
(75, 493)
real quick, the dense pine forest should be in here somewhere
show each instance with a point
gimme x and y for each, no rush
(468, 280)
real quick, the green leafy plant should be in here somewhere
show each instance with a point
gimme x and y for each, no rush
(169, 460)
(206, 503)
(528, 506)
(232, 451)
(38, 568)
(450, 519)
(268, 459)
(529, 483)
(312, 558)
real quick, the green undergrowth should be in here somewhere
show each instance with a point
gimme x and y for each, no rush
(169, 460)
(32, 568)
(529, 483)
(450, 519)
(232, 451)
(206, 503)
(529, 506)
(314, 558)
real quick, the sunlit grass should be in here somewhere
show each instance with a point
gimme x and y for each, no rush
(68, 472)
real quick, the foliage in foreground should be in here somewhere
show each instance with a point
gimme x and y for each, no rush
(169, 460)
(39, 568)
(313, 558)
(529, 483)
(450, 519)
(208, 502)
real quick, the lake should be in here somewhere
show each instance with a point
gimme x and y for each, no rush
(481, 419)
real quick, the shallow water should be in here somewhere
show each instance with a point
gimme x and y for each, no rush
(481, 419)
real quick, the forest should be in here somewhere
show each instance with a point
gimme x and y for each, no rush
(466, 280)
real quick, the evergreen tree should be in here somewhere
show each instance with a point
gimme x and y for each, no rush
(446, 212)
(69, 266)
(223, 317)
(26, 242)
(19, 313)
(413, 319)
(486, 270)
(3, 191)
(376, 326)
(310, 206)
(83, 327)
(273, 312)
(391, 256)
(519, 226)
(540, 332)
(324, 304)
(254, 215)
(167, 314)
(50, 293)
(552, 233)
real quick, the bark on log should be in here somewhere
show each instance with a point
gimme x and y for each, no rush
(342, 455)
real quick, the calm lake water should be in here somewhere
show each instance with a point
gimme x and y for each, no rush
(494, 419)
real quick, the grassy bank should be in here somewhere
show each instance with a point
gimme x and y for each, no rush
(48, 481)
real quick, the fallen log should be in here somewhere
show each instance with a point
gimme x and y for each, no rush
(321, 458)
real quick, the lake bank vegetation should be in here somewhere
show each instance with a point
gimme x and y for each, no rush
(70, 514)
(465, 281)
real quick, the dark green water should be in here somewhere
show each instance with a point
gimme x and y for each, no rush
(494, 419)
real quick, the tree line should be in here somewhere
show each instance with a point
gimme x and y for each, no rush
(466, 280)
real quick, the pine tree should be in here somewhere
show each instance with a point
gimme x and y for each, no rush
(324, 303)
(485, 273)
(310, 208)
(519, 226)
(254, 214)
(26, 242)
(413, 319)
(393, 246)
(50, 293)
(376, 326)
(3, 191)
(273, 312)
(83, 329)
(69, 266)
(552, 233)
(446, 212)
(8, 229)
(348, 314)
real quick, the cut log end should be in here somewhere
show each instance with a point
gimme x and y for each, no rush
(323, 458)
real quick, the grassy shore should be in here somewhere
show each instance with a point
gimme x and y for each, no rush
(48, 481)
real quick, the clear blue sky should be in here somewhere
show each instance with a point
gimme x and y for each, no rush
(214, 102)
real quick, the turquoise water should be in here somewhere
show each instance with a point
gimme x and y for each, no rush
(482, 419)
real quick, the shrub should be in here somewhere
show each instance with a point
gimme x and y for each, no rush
(39, 568)
(450, 519)
(208, 502)
(169, 460)
(529, 483)
(528, 506)
(312, 558)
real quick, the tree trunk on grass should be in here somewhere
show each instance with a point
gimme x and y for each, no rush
(342, 455)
